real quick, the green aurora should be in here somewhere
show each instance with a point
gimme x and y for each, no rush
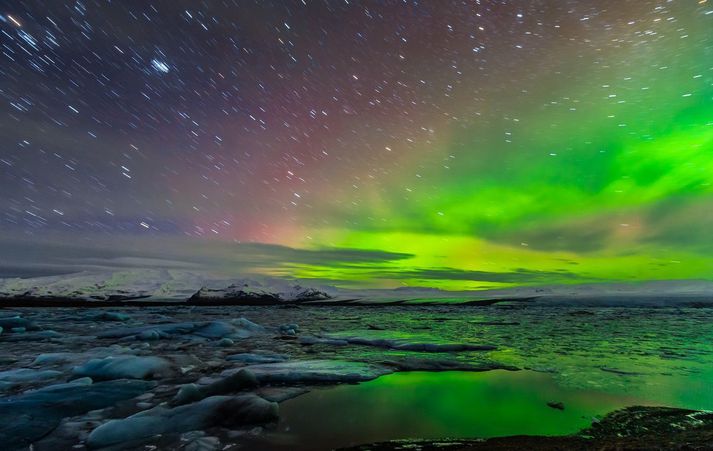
(600, 170)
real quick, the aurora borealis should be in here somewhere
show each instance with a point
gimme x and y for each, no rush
(460, 144)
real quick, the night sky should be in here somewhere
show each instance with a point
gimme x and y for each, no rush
(453, 144)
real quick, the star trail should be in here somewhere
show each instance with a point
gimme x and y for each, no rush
(454, 144)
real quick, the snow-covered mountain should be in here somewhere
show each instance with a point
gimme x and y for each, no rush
(252, 292)
(178, 285)
(159, 285)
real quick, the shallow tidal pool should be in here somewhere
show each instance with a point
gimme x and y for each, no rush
(451, 404)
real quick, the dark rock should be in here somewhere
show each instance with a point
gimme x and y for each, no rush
(633, 428)
(651, 421)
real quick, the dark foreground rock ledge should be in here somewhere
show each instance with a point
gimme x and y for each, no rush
(633, 428)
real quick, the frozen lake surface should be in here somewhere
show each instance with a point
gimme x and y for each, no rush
(115, 377)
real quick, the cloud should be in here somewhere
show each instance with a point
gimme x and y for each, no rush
(582, 236)
(682, 222)
(21, 257)
(677, 223)
(31, 258)
(321, 256)
(519, 275)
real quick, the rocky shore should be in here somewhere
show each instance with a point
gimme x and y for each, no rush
(633, 428)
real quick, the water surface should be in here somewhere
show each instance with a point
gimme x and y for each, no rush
(437, 405)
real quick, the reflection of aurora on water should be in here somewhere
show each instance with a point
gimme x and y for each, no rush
(447, 404)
